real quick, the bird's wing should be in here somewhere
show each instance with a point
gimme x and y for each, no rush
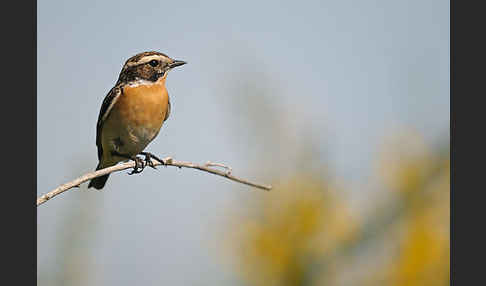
(106, 107)
(167, 113)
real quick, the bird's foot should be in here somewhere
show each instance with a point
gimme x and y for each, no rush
(139, 166)
(148, 159)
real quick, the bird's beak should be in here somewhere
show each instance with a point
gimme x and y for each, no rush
(176, 63)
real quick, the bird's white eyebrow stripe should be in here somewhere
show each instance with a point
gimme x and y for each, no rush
(146, 59)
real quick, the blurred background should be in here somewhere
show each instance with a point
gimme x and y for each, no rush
(342, 106)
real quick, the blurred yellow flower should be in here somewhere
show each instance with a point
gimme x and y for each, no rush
(298, 222)
(302, 233)
(423, 179)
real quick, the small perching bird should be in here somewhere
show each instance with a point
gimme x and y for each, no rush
(133, 112)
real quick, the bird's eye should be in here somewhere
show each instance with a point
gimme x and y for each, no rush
(154, 63)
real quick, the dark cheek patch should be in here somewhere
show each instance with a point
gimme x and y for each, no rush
(154, 77)
(142, 71)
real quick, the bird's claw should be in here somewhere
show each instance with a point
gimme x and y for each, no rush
(149, 162)
(139, 166)
(148, 159)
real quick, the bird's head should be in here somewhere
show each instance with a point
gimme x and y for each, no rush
(150, 66)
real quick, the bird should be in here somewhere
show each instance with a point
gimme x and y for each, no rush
(133, 112)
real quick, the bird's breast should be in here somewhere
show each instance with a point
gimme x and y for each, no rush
(144, 105)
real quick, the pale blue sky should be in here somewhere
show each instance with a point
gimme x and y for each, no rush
(352, 71)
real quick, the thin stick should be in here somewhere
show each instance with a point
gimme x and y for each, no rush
(168, 162)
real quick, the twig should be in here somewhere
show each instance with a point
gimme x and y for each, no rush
(211, 164)
(168, 162)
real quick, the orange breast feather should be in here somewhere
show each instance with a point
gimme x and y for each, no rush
(144, 105)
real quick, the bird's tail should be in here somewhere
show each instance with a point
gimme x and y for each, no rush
(99, 182)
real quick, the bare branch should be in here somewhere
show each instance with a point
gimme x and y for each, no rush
(168, 162)
(211, 164)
